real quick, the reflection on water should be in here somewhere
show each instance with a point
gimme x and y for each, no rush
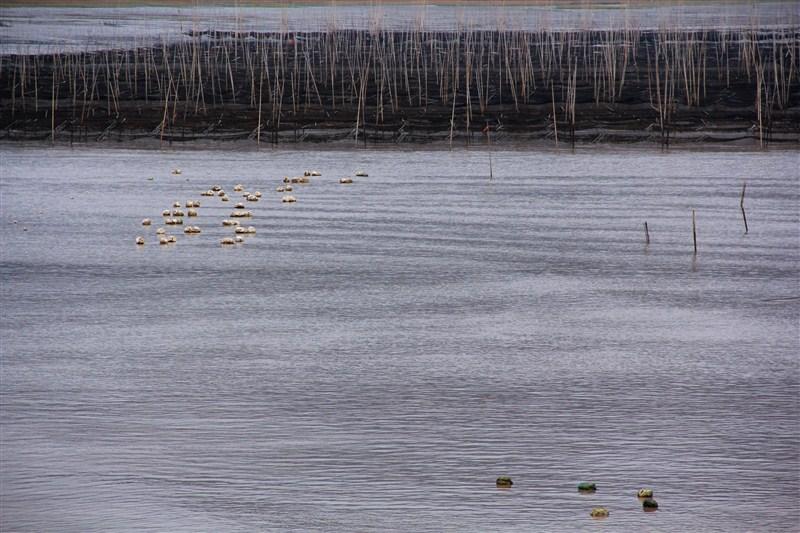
(378, 353)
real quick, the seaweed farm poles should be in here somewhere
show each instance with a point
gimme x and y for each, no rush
(387, 85)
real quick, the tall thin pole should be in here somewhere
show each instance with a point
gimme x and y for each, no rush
(741, 206)
(489, 144)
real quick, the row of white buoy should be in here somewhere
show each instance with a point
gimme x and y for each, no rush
(175, 215)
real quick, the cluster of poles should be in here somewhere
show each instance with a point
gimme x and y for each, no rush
(381, 76)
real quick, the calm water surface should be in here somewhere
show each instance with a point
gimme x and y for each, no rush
(39, 29)
(377, 354)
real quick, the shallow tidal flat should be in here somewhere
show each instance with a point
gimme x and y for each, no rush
(378, 353)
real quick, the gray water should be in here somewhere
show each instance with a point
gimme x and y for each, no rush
(29, 30)
(378, 353)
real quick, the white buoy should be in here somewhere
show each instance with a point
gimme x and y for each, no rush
(176, 171)
(288, 199)
(160, 231)
(227, 240)
(241, 214)
(346, 180)
(140, 240)
(238, 187)
(361, 174)
(145, 222)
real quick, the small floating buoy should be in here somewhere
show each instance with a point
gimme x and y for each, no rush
(191, 230)
(587, 487)
(599, 512)
(252, 198)
(241, 214)
(238, 187)
(288, 188)
(239, 205)
(177, 213)
(160, 231)
(216, 188)
(286, 180)
(280, 189)
(288, 199)
(176, 204)
(645, 493)
(257, 194)
(145, 222)
(171, 238)
(649, 504)
(361, 174)
(239, 239)
(207, 193)
(227, 240)
(242, 229)
(227, 222)
(504, 481)
(346, 180)
(150, 178)
(221, 193)
(139, 240)
(176, 171)
(192, 203)
(173, 221)
(166, 213)
(224, 198)
(316, 173)
(191, 212)
(163, 240)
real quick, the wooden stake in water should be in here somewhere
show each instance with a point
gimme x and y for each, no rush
(488, 131)
(646, 233)
(741, 206)
(694, 232)
(555, 126)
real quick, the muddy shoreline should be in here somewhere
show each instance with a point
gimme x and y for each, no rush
(406, 87)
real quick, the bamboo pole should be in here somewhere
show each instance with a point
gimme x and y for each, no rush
(694, 232)
(741, 206)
